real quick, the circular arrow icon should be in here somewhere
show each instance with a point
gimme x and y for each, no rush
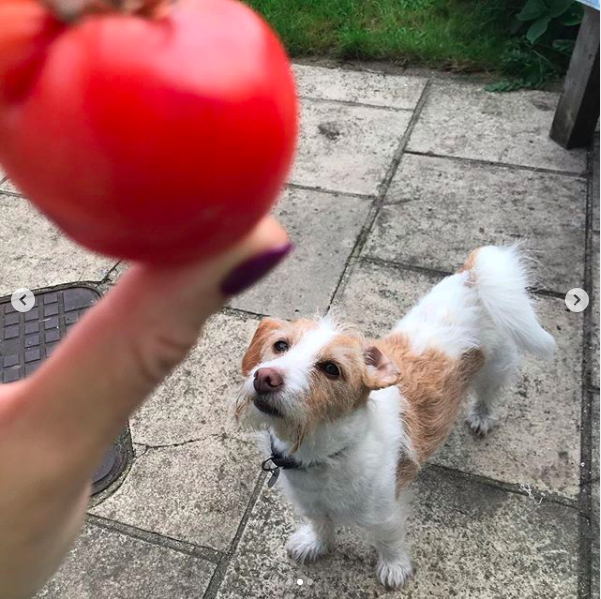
(22, 300)
(576, 299)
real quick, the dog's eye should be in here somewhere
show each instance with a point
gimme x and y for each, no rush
(330, 369)
(279, 347)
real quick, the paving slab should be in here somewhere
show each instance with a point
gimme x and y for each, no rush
(595, 190)
(469, 541)
(192, 403)
(595, 496)
(537, 438)
(196, 492)
(378, 295)
(377, 89)
(595, 570)
(34, 254)
(106, 564)
(438, 209)
(346, 148)
(194, 480)
(324, 229)
(594, 306)
(466, 121)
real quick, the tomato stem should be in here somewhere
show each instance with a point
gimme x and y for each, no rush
(72, 10)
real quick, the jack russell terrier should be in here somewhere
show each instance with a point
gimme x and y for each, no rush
(349, 421)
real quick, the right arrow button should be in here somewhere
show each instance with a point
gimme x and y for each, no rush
(576, 300)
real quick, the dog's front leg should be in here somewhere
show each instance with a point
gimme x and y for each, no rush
(311, 540)
(394, 564)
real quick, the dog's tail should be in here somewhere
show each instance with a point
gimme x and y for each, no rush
(501, 279)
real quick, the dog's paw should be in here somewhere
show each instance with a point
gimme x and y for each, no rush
(481, 424)
(394, 573)
(303, 546)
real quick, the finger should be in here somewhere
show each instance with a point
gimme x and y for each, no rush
(129, 342)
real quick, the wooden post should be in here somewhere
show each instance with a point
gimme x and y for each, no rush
(578, 109)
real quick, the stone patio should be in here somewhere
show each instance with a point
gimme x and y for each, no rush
(397, 178)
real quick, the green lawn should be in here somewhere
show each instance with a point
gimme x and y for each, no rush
(452, 34)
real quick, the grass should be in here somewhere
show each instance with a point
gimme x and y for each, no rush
(460, 35)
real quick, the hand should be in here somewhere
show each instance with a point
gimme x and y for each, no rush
(56, 425)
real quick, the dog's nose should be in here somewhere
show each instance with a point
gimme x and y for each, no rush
(267, 380)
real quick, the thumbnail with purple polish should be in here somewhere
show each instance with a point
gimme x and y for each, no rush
(248, 273)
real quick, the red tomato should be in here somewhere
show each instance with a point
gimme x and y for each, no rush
(158, 139)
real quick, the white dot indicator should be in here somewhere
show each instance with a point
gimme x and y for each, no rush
(299, 582)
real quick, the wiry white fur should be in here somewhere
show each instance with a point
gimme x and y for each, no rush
(355, 488)
(502, 280)
(458, 313)
(486, 308)
(446, 319)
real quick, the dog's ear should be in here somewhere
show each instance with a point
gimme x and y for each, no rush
(380, 372)
(253, 354)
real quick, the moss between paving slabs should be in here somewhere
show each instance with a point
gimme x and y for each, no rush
(455, 34)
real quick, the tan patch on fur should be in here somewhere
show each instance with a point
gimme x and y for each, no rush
(469, 265)
(329, 398)
(252, 357)
(434, 386)
(260, 348)
(470, 262)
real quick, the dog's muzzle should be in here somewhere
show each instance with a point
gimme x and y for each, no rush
(267, 382)
(264, 403)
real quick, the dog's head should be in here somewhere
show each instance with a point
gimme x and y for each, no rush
(306, 372)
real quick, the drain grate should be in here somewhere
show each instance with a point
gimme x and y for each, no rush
(28, 338)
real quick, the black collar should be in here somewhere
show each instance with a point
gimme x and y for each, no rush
(281, 462)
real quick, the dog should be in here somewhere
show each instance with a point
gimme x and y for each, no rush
(348, 422)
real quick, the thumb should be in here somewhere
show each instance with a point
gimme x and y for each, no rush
(131, 340)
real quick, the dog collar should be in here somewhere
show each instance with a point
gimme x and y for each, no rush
(280, 462)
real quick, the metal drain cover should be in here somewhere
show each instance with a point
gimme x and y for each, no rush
(28, 338)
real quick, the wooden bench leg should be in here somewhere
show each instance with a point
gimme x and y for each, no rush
(578, 108)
